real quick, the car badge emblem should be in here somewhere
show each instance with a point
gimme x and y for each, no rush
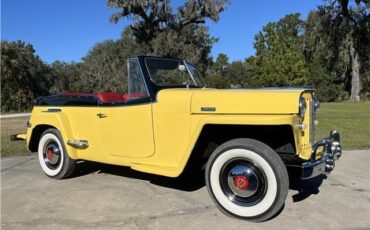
(208, 109)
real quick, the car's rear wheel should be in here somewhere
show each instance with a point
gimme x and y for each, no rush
(247, 179)
(53, 156)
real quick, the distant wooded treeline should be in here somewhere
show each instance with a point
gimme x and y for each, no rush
(330, 50)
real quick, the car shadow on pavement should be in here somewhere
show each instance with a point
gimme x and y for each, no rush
(306, 188)
(188, 181)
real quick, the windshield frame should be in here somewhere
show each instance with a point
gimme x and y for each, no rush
(190, 75)
(201, 80)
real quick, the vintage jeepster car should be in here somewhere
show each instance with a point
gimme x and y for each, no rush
(169, 121)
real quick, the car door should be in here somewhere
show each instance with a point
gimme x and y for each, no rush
(127, 129)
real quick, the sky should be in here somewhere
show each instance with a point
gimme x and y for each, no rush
(66, 29)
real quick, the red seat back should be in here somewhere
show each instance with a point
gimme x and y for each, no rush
(110, 97)
(125, 97)
(103, 97)
(136, 95)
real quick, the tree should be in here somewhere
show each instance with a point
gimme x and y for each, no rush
(165, 33)
(237, 74)
(192, 43)
(24, 76)
(216, 74)
(155, 30)
(316, 48)
(104, 68)
(216, 80)
(65, 77)
(342, 26)
(151, 17)
(357, 22)
(221, 64)
(279, 59)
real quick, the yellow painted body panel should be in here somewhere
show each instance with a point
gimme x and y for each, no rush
(127, 131)
(247, 101)
(73, 123)
(304, 145)
(159, 137)
(179, 156)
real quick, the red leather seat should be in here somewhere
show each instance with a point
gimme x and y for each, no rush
(103, 97)
(136, 95)
(110, 97)
(133, 95)
(125, 97)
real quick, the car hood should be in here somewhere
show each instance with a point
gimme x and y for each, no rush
(245, 101)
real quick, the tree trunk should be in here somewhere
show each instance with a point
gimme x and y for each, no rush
(355, 74)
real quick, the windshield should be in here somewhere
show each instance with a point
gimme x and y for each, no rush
(172, 72)
(196, 75)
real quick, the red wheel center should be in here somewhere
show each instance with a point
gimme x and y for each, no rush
(50, 154)
(241, 182)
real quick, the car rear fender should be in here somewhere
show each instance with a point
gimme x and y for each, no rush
(45, 118)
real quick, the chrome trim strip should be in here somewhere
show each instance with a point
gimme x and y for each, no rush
(79, 144)
(191, 74)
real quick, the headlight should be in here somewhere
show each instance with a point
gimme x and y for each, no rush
(302, 108)
(316, 105)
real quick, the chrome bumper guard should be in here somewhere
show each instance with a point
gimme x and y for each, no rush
(326, 164)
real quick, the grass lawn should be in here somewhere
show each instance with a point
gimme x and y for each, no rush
(12, 126)
(351, 120)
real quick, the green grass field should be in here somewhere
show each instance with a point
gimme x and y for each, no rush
(12, 126)
(351, 120)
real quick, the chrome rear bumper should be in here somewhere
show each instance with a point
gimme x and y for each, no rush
(326, 164)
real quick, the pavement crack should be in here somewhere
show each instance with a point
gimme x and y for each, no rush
(182, 212)
(339, 184)
(140, 221)
(15, 165)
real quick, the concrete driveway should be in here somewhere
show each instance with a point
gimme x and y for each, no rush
(110, 197)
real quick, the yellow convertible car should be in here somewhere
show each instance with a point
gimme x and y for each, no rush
(168, 120)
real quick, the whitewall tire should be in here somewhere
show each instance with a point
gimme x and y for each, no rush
(247, 179)
(53, 157)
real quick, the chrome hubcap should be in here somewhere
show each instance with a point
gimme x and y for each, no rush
(51, 154)
(243, 182)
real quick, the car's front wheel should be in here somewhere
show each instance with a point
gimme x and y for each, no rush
(53, 156)
(247, 179)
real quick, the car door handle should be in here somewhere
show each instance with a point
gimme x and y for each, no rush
(101, 115)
